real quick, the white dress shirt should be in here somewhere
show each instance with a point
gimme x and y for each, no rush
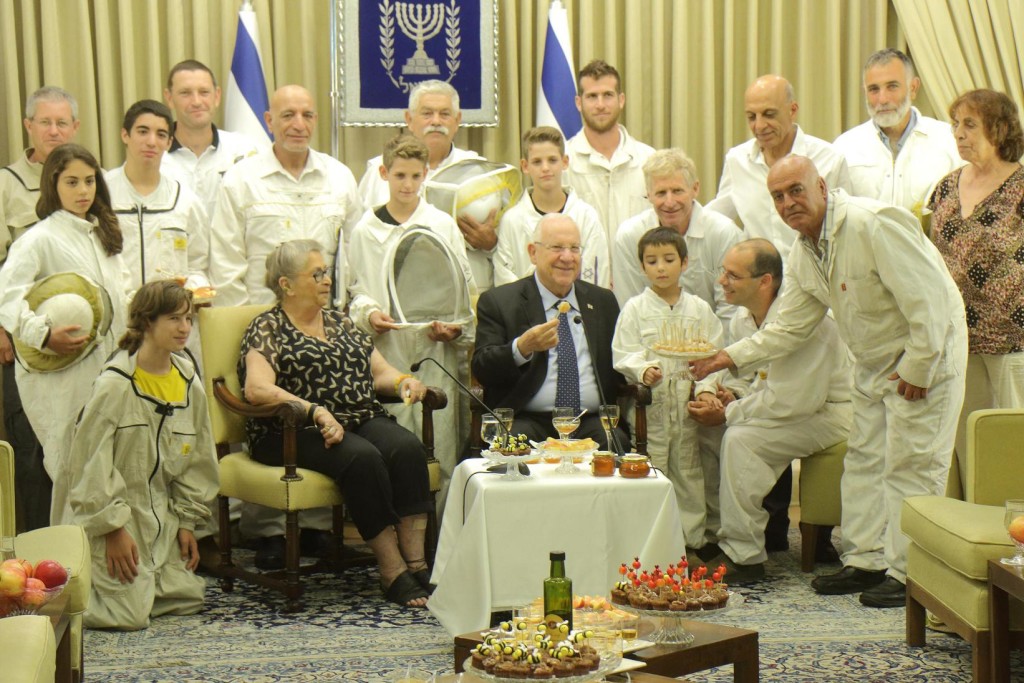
(515, 232)
(743, 190)
(616, 186)
(262, 205)
(928, 154)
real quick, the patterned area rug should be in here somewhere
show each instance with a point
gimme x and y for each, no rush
(350, 633)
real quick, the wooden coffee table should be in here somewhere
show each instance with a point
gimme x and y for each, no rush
(1004, 582)
(60, 620)
(634, 676)
(713, 645)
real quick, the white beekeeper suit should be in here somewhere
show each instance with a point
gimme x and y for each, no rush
(166, 233)
(374, 192)
(614, 187)
(203, 174)
(19, 192)
(708, 237)
(743, 194)
(672, 441)
(928, 154)
(371, 261)
(512, 260)
(898, 310)
(149, 467)
(60, 243)
(261, 205)
(798, 405)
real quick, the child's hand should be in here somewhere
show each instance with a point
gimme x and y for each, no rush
(707, 398)
(652, 376)
(189, 549)
(705, 413)
(122, 556)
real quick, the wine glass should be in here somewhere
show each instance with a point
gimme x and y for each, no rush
(489, 429)
(565, 421)
(505, 415)
(1014, 521)
(609, 420)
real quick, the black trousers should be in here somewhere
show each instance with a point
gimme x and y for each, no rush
(32, 484)
(380, 467)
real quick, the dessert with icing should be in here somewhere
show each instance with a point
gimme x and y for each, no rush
(675, 589)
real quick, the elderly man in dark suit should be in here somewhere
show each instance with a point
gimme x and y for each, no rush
(531, 356)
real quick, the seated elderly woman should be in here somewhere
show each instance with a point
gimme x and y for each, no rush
(300, 351)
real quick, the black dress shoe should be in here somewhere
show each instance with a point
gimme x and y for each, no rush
(826, 553)
(270, 553)
(847, 580)
(737, 574)
(775, 543)
(889, 593)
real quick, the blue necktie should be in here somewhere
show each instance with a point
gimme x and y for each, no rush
(567, 388)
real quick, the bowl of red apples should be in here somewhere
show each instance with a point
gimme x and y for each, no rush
(25, 588)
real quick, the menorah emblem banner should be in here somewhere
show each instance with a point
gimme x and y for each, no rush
(386, 47)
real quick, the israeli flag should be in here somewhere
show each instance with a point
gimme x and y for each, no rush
(246, 99)
(556, 93)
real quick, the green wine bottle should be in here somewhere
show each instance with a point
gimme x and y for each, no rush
(557, 594)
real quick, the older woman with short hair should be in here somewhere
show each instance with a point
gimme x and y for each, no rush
(300, 351)
(977, 225)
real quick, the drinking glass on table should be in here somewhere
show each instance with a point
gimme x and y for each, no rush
(6, 548)
(565, 421)
(506, 415)
(490, 428)
(1013, 518)
(609, 420)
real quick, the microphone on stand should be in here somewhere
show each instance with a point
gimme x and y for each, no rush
(523, 467)
(619, 451)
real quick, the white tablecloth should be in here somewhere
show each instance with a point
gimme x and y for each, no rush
(496, 536)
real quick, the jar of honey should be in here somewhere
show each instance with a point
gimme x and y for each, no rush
(603, 464)
(634, 466)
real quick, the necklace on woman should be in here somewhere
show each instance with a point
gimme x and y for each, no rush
(316, 330)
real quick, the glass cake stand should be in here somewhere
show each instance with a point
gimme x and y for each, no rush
(608, 665)
(511, 463)
(670, 630)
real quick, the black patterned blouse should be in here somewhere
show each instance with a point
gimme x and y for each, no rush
(985, 256)
(334, 374)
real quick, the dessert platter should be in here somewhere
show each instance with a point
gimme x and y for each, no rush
(673, 595)
(510, 451)
(683, 340)
(553, 450)
(518, 652)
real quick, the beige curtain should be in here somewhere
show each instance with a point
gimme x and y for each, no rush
(960, 45)
(685, 63)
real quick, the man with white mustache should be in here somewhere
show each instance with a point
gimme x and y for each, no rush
(899, 154)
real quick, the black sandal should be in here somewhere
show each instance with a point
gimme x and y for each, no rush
(404, 589)
(423, 577)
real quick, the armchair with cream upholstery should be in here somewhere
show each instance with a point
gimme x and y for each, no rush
(287, 488)
(28, 649)
(951, 541)
(67, 544)
(821, 502)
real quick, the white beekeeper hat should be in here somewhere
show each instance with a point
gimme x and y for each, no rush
(66, 299)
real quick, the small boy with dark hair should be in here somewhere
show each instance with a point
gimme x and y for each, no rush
(664, 314)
